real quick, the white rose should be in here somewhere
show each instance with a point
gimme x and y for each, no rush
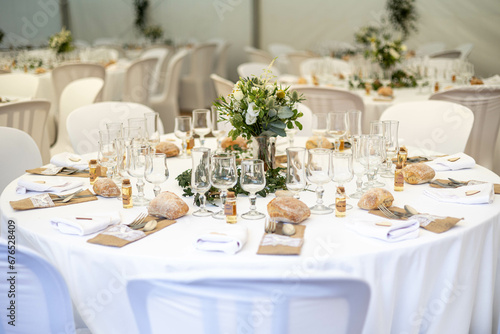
(393, 53)
(249, 119)
(238, 95)
(251, 110)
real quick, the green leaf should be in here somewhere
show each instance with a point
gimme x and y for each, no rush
(289, 125)
(277, 124)
(268, 133)
(278, 131)
(272, 113)
(285, 112)
(299, 125)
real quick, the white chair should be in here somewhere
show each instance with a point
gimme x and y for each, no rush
(328, 99)
(223, 87)
(484, 102)
(221, 53)
(196, 90)
(448, 54)
(248, 305)
(257, 55)
(162, 54)
(30, 117)
(167, 103)
(429, 48)
(138, 79)
(305, 120)
(432, 125)
(43, 304)
(64, 74)
(256, 69)
(18, 84)
(465, 49)
(77, 94)
(84, 123)
(295, 59)
(280, 49)
(22, 151)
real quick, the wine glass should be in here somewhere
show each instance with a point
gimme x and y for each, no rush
(358, 168)
(115, 132)
(202, 124)
(253, 179)
(139, 122)
(182, 131)
(337, 126)
(200, 177)
(217, 129)
(342, 170)
(132, 134)
(156, 171)
(136, 167)
(320, 127)
(223, 175)
(296, 170)
(153, 134)
(107, 155)
(319, 172)
(371, 156)
(391, 145)
(354, 123)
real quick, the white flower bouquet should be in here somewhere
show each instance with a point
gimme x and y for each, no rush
(62, 41)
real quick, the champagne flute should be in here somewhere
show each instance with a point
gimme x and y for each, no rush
(337, 126)
(156, 170)
(217, 129)
(296, 170)
(358, 168)
(319, 172)
(136, 167)
(371, 156)
(342, 171)
(223, 175)
(202, 124)
(320, 127)
(391, 145)
(200, 177)
(115, 132)
(182, 131)
(253, 179)
(153, 134)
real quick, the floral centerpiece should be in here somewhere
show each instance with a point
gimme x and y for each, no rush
(153, 32)
(62, 41)
(259, 109)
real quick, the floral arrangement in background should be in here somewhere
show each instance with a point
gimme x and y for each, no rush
(386, 51)
(402, 16)
(1, 35)
(153, 32)
(399, 79)
(62, 41)
(258, 107)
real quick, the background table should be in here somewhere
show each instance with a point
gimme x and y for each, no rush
(437, 283)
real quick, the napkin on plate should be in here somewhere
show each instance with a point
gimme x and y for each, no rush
(24, 185)
(229, 239)
(84, 225)
(444, 163)
(66, 159)
(398, 231)
(459, 195)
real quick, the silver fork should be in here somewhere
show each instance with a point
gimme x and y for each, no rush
(138, 222)
(388, 213)
(270, 226)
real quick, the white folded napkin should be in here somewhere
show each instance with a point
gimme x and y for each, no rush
(444, 163)
(494, 80)
(96, 223)
(398, 231)
(459, 195)
(24, 185)
(65, 159)
(227, 239)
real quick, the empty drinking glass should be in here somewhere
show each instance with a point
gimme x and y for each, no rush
(223, 175)
(253, 179)
(342, 170)
(202, 124)
(136, 167)
(371, 156)
(182, 131)
(358, 169)
(217, 128)
(296, 170)
(156, 171)
(153, 134)
(391, 145)
(320, 127)
(319, 172)
(337, 127)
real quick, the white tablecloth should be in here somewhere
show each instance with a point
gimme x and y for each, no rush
(437, 283)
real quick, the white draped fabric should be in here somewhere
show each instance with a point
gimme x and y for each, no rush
(436, 283)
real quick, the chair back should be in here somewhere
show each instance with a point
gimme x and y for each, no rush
(30, 117)
(18, 84)
(256, 69)
(295, 59)
(258, 56)
(42, 297)
(432, 125)
(249, 305)
(484, 102)
(78, 93)
(162, 54)
(329, 99)
(84, 123)
(223, 87)
(19, 144)
(201, 60)
(465, 49)
(430, 48)
(221, 53)
(280, 50)
(449, 54)
(138, 81)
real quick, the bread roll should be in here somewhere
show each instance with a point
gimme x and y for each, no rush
(169, 149)
(375, 197)
(288, 210)
(228, 141)
(168, 205)
(106, 188)
(418, 173)
(385, 91)
(314, 141)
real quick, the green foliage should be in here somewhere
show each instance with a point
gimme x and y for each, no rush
(402, 15)
(141, 7)
(153, 32)
(62, 41)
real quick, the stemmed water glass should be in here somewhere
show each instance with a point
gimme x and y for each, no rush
(391, 145)
(182, 131)
(217, 129)
(354, 124)
(156, 171)
(296, 170)
(320, 127)
(371, 156)
(200, 177)
(358, 168)
(337, 127)
(319, 172)
(139, 122)
(202, 124)
(136, 167)
(342, 170)
(223, 175)
(152, 132)
(253, 179)
(107, 154)
(115, 132)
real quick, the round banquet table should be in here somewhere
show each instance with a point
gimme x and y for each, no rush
(436, 283)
